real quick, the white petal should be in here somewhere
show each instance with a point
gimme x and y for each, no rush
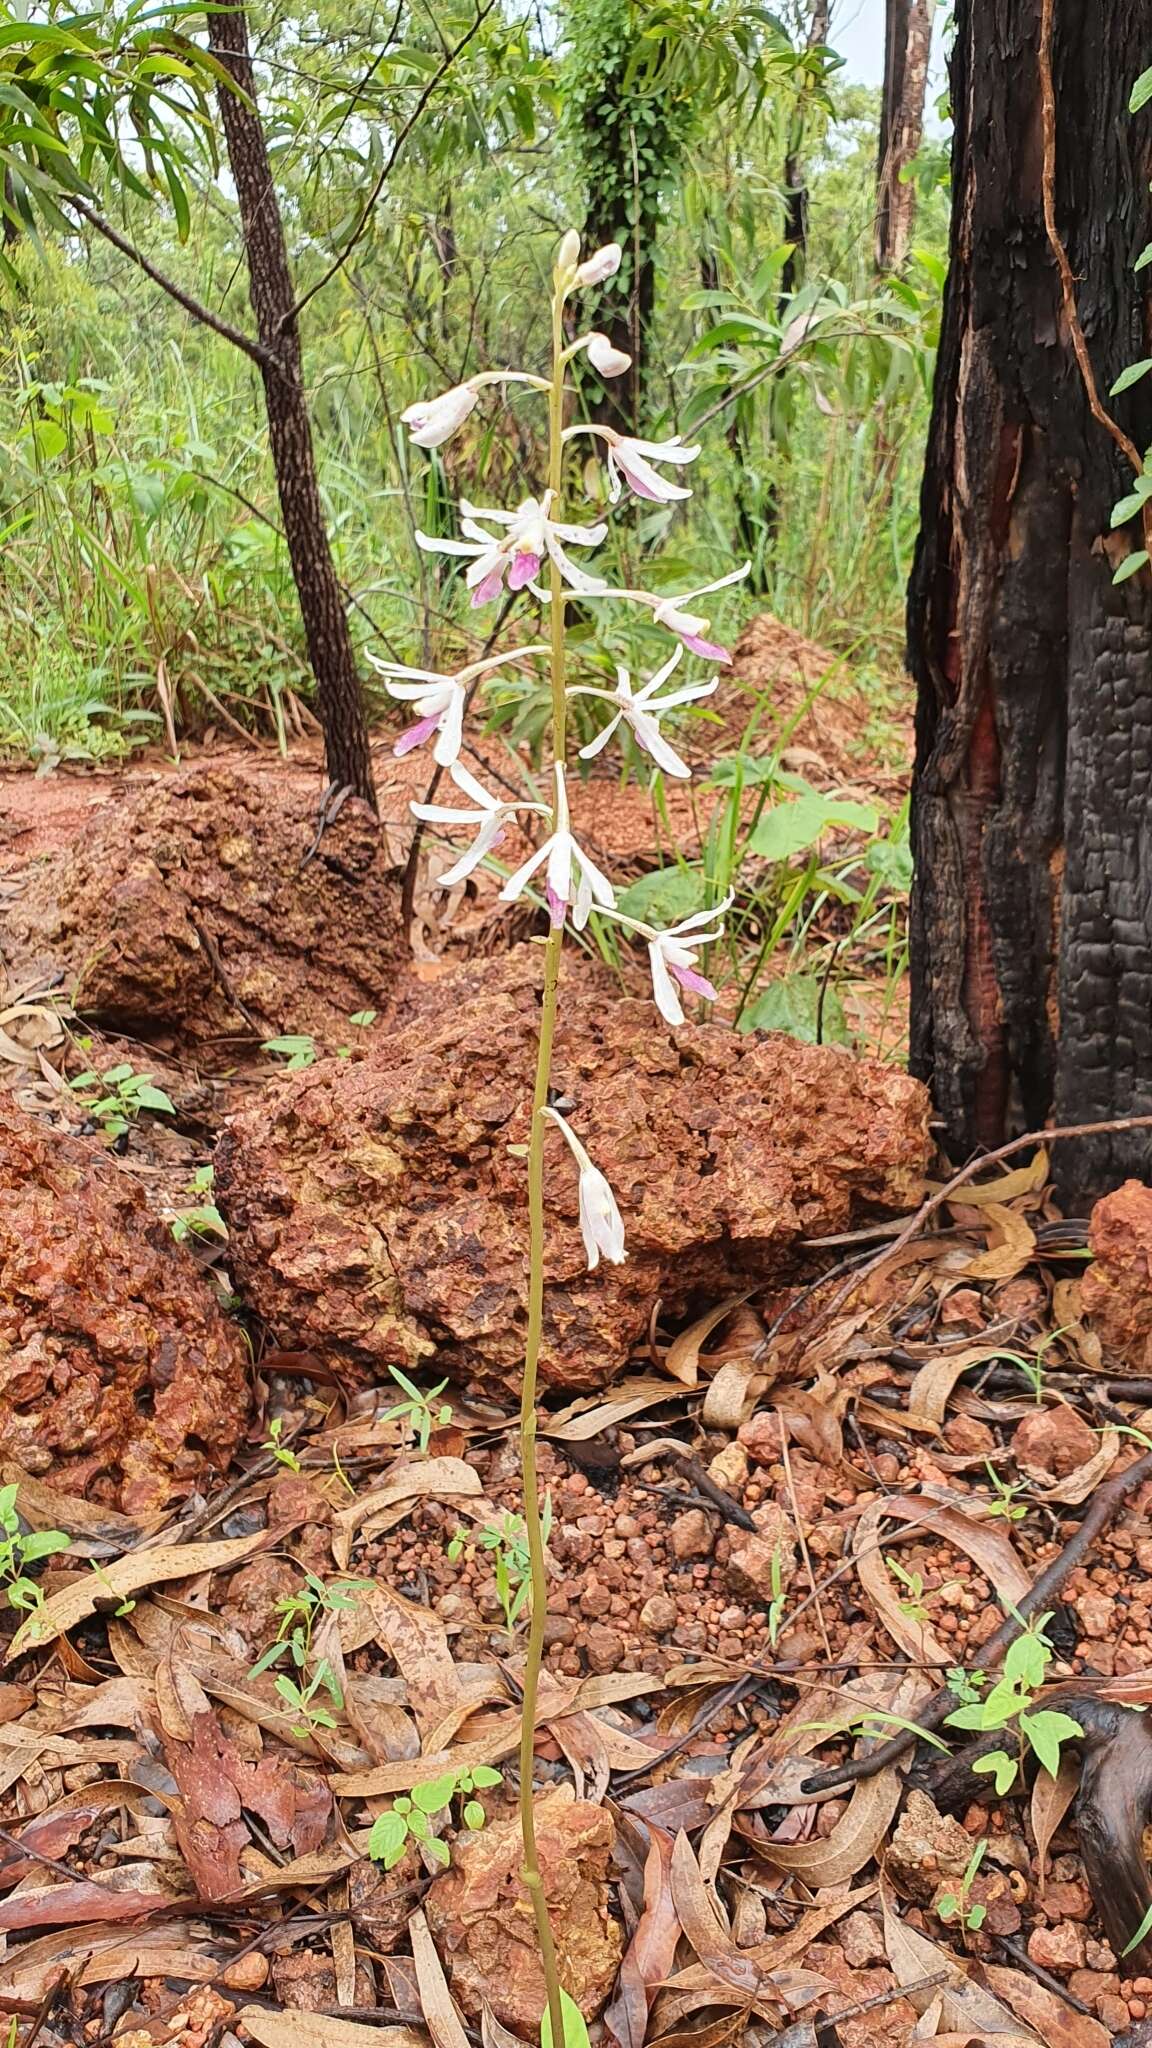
(560, 865)
(465, 780)
(580, 536)
(489, 832)
(636, 469)
(721, 583)
(699, 917)
(577, 579)
(664, 990)
(490, 513)
(601, 740)
(651, 738)
(440, 814)
(432, 546)
(516, 884)
(601, 887)
(399, 668)
(450, 737)
(688, 694)
(603, 263)
(662, 451)
(609, 361)
(431, 696)
(662, 674)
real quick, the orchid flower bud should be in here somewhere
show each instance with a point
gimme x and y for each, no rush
(602, 263)
(603, 356)
(568, 256)
(432, 421)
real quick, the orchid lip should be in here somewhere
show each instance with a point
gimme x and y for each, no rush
(557, 908)
(417, 734)
(490, 587)
(695, 983)
(525, 566)
(706, 649)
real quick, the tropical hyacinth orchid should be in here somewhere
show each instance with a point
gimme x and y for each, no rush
(630, 461)
(565, 863)
(490, 815)
(600, 266)
(672, 956)
(642, 710)
(519, 552)
(432, 421)
(601, 1224)
(605, 357)
(438, 700)
(690, 627)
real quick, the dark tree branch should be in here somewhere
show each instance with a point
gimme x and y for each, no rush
(265, 357)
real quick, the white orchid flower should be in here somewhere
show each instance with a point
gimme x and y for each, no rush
(565, 861)
(632, 459)
(605, 357)
(490, 814)
(432, 421)
(643, 709)
(601, 1224)
(438, 700)
(672, 956)
(601, 265)
(519, 552)
(690, 627)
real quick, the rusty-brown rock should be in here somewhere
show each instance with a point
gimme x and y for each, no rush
(1116, 1290)
(191, 909)
(119, 1372)
(379, 1207)
(480, 1915)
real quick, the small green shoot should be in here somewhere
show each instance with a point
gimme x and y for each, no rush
(19, 1549)
(123, 1606)
(115, 1098)
(1005, 1503)
(297, 1049)
(204, 1218)
(1009, 1705)
(1144, 1928)
(299, 1613)
(575, 2024)
(278, 1450)
(956, 1905)
(507, 1545)
(417, 1410)
(776, 1604)
(913, 1607)
(409, 1818)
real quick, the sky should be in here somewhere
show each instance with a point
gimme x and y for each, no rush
(858, 37)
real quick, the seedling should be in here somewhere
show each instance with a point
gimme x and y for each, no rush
(302, 1699)
(280, 1451)
(409, 1818)
(1006, 1503)
(913, 1607)
(422, 1418)
(362, 1019)
(19, 1549)
(204, 1219)
(1009, 1705)
(115, 1098)
(298, 1049)
(123, 1605)
(776, 1604)
(298, 1615)
(507, 1543)
(956, 1905)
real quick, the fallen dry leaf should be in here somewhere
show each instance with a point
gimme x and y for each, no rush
(427, 1479)
(682, 1358)
(1057, 2025)
(125, 1577)
(71, 1904)
(1007, 1187)
(217, 1786)
(853, 1841)
(1051, 1798)
(293, 2028)
(1012, 1243)
(964, 2005)
(440, 2014)
(708, 1939)
(928, 1394)
(586, 1418)
(651, 1951)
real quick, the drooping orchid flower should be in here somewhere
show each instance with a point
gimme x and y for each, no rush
(631, 459)
(601, 265)
(438, 699)
(488, 813)
(519, 552)
(690, 627)
(432, 421)
(601, 1224)
(672, 956)
(605, 356)
(565, 861)
(643, 709)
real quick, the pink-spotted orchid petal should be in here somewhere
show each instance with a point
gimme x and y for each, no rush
(518, 551)
(487, 813)
(672, 956)
(438, 699)
(564, 861)
(642, 710)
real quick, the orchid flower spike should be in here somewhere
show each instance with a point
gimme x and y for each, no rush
(672, 956)
(642, 710)
(601, 1224)
(519, 552)
(631, 459)
(432, 421)
(690, 627)
(565, 860)
(600, 266)
(489, 814)
(438, 700)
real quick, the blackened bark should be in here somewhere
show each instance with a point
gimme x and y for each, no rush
(339, 701)
(1032, 903)
(795, 174)
(907, 47)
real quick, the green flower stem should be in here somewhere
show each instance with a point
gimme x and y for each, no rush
(532, 1522)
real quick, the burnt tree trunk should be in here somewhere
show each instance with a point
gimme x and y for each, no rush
(907, 48)
(795, 174)
(1032, 831)
(339, 701)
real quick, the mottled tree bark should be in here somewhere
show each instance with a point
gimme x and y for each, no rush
(1032, 904)
(795, 174)
(907, 47)
(339, 701)
(624, 309)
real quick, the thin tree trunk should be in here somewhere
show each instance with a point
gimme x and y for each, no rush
(795, 173)
(1032, 902)
(624, 310)
(907, 48)
(339, 700)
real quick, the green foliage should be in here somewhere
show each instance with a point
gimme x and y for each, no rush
(203, 1219)
(417, 1409)
(297, 1049)
(277, 1448)
(299, 1612)
(507, 1544)
(115, 1098)
(1009, 1705)
(575, 2025)
(958, 1906)
(20, 1547)
(408, 1819)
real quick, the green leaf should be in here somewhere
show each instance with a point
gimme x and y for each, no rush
(1144, 258)
(1027, 1659)
(665, 896)
(1130, 376)
(1046, 1731)
(1139, 97)
(575, 2025)
(388, 1839)
(976, 1917)
(418, 1825)
(45, 1543)
(793, 1005)
(1127, 508)
(1130, 564)
(474, 1815)
(1003, 1766)
(436, 1794)
(155, 1098)
(438, 1850)
(792, 828)
(1146, 1922)
(484, 1777)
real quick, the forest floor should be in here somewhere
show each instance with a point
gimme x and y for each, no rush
(771, 1541)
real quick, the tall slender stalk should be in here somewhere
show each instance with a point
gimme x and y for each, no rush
(532, 1522)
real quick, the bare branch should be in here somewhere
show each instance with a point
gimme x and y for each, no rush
(204, 314)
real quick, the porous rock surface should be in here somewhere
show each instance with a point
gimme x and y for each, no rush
(1116, 1290)
(191, 909)
(120, 1376)
(378, 1207)
(480, 1914)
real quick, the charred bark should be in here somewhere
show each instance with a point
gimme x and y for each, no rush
(907, 47)
(1032, 903)
(339, 701)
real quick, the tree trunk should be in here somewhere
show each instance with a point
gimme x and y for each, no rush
(1032, 903)
(339, 701)
(625, 307)
(907, 48)
(795, 174)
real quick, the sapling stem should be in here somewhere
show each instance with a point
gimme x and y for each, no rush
(538, 1570)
